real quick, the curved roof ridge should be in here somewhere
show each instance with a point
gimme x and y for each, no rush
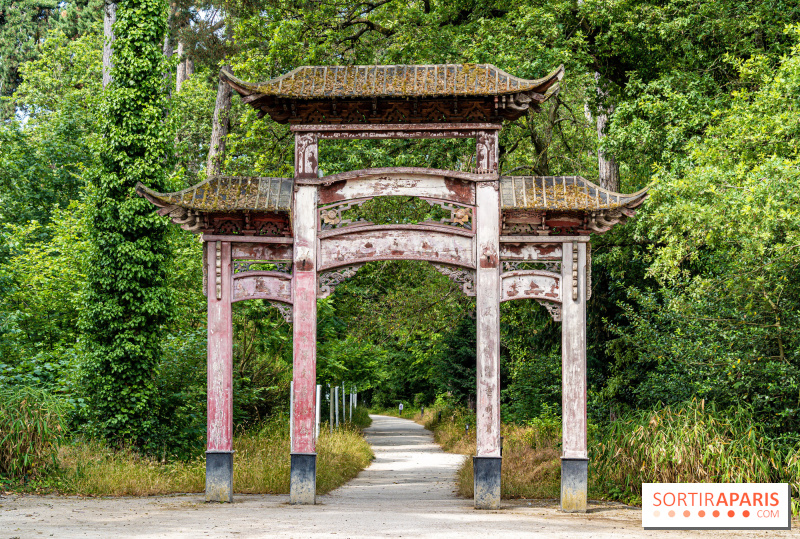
(569, 193)
(424, 80)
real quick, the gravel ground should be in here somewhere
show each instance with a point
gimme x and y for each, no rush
(408, 491)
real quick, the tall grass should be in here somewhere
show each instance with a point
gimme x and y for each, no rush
(261, 465)
(692, 443)
(531, 465)
(31, 426)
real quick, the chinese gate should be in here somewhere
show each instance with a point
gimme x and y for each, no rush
(506, 238)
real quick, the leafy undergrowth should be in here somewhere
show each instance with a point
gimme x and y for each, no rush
(531, 464)
(261, 466)
(691, 443)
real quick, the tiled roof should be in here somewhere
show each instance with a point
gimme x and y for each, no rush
(440, 80)
(228, 194)
(570, 193)
(235, 194)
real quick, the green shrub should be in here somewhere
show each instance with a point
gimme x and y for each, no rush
(690, 443)
(31, 426)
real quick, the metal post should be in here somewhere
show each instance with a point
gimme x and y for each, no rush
(219, 449)
(319, 409)
(330, 408)
(291, 414)
(487, 461)
(336, 404)
(574, 458)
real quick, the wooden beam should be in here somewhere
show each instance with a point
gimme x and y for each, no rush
(531, 284)
(423, 243)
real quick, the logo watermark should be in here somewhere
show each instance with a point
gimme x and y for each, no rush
(720, 506)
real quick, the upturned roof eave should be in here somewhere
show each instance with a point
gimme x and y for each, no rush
(545, 86)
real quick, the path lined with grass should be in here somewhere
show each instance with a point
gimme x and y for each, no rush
(409, 466)
(408, 491)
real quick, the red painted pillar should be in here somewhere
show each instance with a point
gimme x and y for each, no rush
(487, 462)
(304, 290)
(219, 453)
(574, 458)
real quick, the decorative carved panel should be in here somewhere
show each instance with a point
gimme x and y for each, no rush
(329, 280)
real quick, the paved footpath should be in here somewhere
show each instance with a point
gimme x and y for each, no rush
(406, 492)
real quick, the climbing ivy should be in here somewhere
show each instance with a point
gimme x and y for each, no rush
(127, 302)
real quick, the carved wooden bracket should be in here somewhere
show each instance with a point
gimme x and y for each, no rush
(329, 280)
(553, 308)
(463, 277)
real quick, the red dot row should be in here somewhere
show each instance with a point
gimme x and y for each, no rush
(702, 513)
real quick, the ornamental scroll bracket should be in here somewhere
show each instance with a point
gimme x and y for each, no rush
(329, 280)
(285, 309)
(553, 308)
(463, 277)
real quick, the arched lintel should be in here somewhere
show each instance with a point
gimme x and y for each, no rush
(447, 185)
(531, 284)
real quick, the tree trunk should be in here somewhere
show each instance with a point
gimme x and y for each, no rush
(181, 74)
(608, 168)
(109, 18)
(219, 130)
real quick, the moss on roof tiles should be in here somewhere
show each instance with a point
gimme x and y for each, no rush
(438, 80)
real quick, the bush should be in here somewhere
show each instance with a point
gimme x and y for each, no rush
(690, 443)
(31, 427)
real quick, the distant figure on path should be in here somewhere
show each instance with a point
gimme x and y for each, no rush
(401, 408)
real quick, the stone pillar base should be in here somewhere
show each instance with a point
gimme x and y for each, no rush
(219, 476)
(303, 481)
(574, 484)
(486, 471)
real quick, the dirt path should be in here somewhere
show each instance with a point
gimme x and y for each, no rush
(406, 492)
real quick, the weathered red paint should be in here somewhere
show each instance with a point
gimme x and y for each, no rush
(526, 251)
(220, 351)
(248, 239)
(531, 284)
(488, 311)
(304, 285)
(261, 251)
(426, 183)
(486, 151)
(403, 131)
(434, 244)
(573, 353)
(306, 155)
(269, 285)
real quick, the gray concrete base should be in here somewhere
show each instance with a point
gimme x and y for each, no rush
(303, 480)
(574, 484)
(486, 471)
(219, 476)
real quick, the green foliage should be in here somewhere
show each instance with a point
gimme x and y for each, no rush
(31, 427)
(127, 302)
(22, 27)
(691, 443)
(720, 319)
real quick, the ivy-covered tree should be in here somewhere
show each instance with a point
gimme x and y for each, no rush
(127, 302)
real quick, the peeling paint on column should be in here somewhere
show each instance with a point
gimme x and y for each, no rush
(220, 354)
(488, 309)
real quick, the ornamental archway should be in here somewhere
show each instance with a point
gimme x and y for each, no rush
(505, 238)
